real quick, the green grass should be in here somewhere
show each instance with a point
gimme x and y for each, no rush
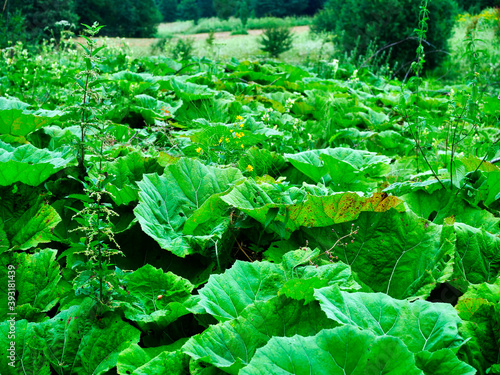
(206, 25)
(247, 47)
(179, 27)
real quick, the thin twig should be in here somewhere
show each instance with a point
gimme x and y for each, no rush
(392, 45)
(241, 248)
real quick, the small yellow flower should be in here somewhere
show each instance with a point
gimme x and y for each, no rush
(241, 125)
(198, 150)
(228, 140)
(221, 139)
(231, 130)
(249, 168)
(242, 146)
(239, 117)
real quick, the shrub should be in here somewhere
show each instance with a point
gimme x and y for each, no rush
(357, 23)
(160, 46)
(13, 28)
(276, 40)
(183, 49)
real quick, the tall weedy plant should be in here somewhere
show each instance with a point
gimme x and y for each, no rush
(408, 103)
(96, 278)
(467, 114)
(464, 116)
(87, 81)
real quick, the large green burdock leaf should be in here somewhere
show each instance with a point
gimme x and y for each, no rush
(339, 208)
(293, 208)
(174, 363)
(337, 351)
(442, 362)
(215, 108)
(231, 345)
(263, 161)
(28, 219)
(132, 358)
(166, 202)
(138, 361)
(485, 190)
(478, 256)
(76, 341)
(479, 309)
(225, 296)
(36, 280)
(4, 241)
(429, 186)
(29, 356)
(127, 171)
(341, 168)
(441, 204)
(157, 297)
(190, 91)
(17, 121)
(133, 83)
(30, 165)
(421, 325)
(152, 109)
(399, 254)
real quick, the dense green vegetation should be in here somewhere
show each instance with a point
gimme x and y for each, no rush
(231, 216)
(360, 26)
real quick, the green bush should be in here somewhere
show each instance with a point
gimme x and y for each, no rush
(360, 23)
(276, 40)
(183, 49)
(161, 45)
(13, 26)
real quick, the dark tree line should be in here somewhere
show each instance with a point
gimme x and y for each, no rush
(35, 20)
(172, 10)
(125, 18)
